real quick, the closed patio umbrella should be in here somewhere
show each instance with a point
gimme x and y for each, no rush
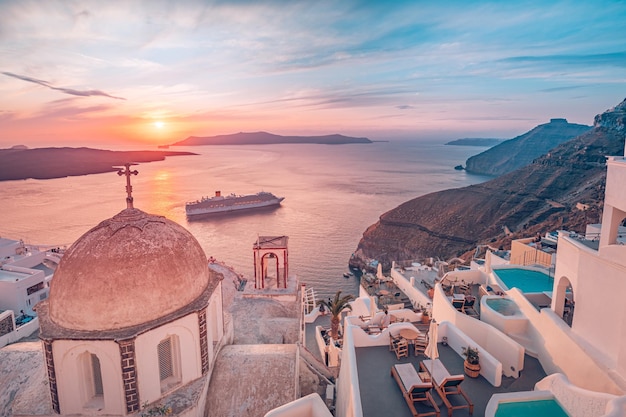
(431, 349)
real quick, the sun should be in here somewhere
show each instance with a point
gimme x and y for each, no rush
(159, 124)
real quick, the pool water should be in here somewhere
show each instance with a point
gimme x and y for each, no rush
(525, 280)
(535, 408)
(504, 306)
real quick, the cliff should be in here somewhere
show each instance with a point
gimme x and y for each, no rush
(47, 163)
(537, 198)
(264, 138)
(522, 150)
(475, 142)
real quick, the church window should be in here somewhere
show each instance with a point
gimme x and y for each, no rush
(92, 377)
(169, 363)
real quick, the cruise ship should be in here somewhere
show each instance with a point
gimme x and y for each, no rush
(232, 202)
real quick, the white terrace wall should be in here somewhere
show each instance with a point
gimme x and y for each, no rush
(577, 401)
(416, 296)
(488, 338)
(490, 367)
(348, 402)
(598, 286)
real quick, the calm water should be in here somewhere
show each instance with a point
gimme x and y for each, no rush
(527, 281)
(332, 194)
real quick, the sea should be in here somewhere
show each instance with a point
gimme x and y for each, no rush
(333, 193)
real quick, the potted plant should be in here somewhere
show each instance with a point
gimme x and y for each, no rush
(472, 361)
(425, 316)
(335, 308)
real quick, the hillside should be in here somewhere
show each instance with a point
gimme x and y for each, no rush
(264, 138)
(475, 142)
(46, 163)
(537, 198)
(522, 150)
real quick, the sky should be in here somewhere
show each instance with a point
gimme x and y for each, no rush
(155, 72)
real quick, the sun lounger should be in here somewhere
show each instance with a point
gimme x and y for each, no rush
(447, 385)
(414, 389)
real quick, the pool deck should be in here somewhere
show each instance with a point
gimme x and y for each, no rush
(380, 395)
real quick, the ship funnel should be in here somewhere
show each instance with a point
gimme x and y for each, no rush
(218, 193)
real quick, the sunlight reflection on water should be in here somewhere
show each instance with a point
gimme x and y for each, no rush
(332, 194)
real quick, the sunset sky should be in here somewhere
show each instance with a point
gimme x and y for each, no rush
(154, 72)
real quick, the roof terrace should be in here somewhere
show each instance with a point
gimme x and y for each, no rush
(380, 394)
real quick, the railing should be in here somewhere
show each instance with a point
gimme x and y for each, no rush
(309, 300)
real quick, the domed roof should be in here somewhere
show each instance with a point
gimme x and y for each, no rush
(128, 270)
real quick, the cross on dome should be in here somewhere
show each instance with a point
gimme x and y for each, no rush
(129, 188)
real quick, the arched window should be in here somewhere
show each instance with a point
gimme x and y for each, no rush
(169, 363)
(92, 378)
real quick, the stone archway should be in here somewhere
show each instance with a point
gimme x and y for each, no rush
(269, 270)
(271, 261)
(563, 300)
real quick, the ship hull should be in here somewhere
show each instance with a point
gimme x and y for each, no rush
(201, 209)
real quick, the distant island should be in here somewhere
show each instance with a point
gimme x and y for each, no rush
(475, 142)
(20, 163)
(264, 138)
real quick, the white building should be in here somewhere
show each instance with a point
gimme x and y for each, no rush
(597, 279)
(25, 274)
(134, 315)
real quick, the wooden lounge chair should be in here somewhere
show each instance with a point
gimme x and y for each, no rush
(447, 385)
(414, 389)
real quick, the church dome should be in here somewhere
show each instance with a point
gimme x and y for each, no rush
(129, 270)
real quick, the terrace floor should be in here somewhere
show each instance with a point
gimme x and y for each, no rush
(380, 395)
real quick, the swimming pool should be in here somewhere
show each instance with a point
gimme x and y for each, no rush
(537, 408)
(504, 306)
(526, 280)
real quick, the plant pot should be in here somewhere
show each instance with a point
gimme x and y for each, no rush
(471, 370)
(425, 318)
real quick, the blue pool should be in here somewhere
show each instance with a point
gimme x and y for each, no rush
(535, 408)
(527, 281)
(504, 306)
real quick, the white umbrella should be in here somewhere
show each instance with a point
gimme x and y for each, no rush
(431, 349)
(379, 271)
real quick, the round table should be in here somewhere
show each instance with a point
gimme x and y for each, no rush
(409, 334)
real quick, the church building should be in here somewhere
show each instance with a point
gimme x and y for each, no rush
(134, 315)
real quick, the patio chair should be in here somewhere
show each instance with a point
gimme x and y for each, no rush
(447, 385)
(393, 340)
(468, 306)
(458, 303)
(401, 348)
(420, 344)
(414, 389)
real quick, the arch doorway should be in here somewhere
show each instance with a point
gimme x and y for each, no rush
(563, 300)
(271, 265)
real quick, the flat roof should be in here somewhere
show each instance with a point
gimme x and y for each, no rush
(381, 396)
(11, 276)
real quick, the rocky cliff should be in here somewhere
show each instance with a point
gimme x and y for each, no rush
(264, 138)
(537, 198)
(522, 150)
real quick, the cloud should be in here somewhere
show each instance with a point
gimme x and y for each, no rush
(71, 91)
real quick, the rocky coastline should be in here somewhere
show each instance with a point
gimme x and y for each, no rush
(542, 196)
(20, 163)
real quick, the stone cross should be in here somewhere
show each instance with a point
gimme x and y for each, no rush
(129, 188)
